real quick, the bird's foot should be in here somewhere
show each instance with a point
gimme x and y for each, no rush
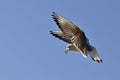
(66, 50)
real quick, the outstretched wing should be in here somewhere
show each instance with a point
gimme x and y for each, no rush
(75, 34)
(67, 27)
(59, 34)
(72, 34)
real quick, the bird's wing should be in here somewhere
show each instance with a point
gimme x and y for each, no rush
(80, 42)
(67, 27)
(76, 35)
(59, 34)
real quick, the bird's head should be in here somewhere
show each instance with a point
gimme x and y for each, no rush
(93, 54)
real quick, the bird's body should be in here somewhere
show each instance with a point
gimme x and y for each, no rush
(75, 37)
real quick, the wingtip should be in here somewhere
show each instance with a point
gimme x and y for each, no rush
(53, 12)
(51, 32)
(54, 15)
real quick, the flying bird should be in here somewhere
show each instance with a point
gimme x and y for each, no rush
(75, 37)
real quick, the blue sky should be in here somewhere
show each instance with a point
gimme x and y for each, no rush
(29, 52)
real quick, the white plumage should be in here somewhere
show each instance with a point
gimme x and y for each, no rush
(75, 37)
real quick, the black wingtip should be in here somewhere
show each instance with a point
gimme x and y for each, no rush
(53, 12)
(53, 15)
(51, 32)
(55, 35)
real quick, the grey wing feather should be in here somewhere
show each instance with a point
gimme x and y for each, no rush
(75, 34)
(61, 35)
(80, 41)
(66, 26)
(70, 33)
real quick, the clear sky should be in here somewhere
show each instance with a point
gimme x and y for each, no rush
(29, 52)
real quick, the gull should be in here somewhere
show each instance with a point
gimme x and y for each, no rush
(75, 37)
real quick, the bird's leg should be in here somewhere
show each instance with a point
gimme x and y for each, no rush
(70, 47)
(67, 48)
